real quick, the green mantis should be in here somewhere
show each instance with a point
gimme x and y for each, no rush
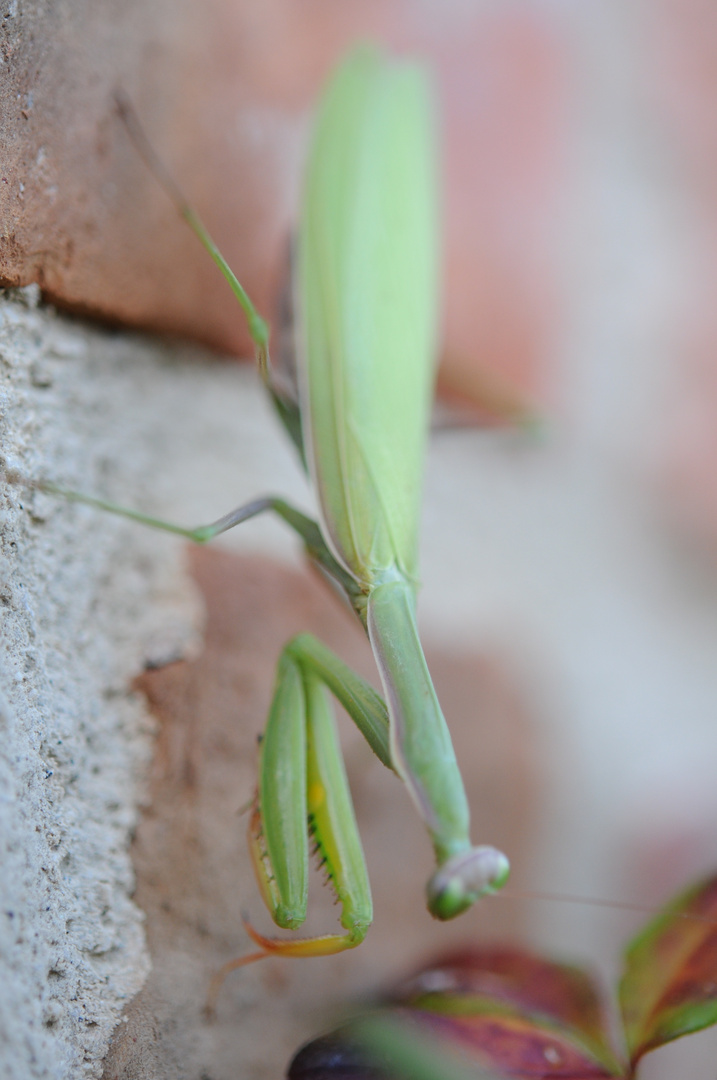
(365, 289)
(366, 294)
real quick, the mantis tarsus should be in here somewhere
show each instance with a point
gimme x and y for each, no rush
(365, 291)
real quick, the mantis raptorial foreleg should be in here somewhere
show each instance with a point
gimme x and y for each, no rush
(302, 780)
(302, 777)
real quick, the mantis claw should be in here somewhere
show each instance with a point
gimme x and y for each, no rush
(323, 945)
(302, 948)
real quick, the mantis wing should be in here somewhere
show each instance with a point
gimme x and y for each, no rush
(367, 285)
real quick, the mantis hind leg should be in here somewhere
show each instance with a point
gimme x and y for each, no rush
(305, 526)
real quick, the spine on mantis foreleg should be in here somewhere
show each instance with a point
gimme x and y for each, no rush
(423, 756)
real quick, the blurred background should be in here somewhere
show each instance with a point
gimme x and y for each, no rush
(571, 509)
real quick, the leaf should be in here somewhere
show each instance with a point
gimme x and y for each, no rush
(516, 1044)
(535, 987)
(669, 987)
(508, 1010)
(380, 1046)
(515, 1012)
(499, 1041)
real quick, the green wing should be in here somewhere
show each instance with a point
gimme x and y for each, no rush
(367, 303)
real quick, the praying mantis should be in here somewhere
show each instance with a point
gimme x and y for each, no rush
(366, 293)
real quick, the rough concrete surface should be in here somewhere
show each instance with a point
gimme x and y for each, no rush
(82, 601)
(87, 598)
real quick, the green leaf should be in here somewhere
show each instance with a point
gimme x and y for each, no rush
(669, 987)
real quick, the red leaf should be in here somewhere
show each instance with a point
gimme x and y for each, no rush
(513, 1044)
(535, 986)
(670, 983)
(517, 1012)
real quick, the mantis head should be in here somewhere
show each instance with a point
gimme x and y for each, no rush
(464, 878)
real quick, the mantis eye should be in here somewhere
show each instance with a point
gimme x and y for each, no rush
(465, 877)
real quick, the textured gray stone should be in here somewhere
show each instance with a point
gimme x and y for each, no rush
(86, 599)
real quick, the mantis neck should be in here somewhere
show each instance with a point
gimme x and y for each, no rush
(421, 748)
